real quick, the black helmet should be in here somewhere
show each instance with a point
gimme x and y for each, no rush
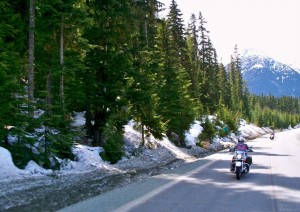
(241, 140)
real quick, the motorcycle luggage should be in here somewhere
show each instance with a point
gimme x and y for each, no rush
(249, 160)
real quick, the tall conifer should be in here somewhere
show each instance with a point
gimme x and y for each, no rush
(145, 76)
(176, 104)
(209, 68)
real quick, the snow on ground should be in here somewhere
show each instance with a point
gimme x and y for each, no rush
(192, 135)
(251, 131)
(8, 168)
(87, 158)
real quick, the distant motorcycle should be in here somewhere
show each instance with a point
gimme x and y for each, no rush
(240, 163)
(272, 136)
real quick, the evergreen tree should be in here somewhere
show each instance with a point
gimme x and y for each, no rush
(176, 104)
(177, 31)
(276, 115)
(193, 53)
(239, 91)
(12, 48)
(223, 87)
(145, 75)
(57, 31)
(209, 69)
(232, 79)
(107, 62)
(13, 53)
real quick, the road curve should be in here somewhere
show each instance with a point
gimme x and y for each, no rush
(273, 184)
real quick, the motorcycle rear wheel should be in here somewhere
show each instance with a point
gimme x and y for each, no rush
(238, 172)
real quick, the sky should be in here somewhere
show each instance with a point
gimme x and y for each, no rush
(269, 27)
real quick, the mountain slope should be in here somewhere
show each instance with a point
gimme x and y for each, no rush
(266, 76)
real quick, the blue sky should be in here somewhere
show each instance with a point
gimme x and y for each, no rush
(270, 27)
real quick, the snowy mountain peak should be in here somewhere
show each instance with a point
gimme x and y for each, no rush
(264, 75)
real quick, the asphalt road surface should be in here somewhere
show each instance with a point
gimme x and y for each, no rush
(273, 184)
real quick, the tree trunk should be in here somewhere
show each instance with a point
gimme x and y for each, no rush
(62, 95)
(88, 122)
(100, 120)
(48, 92)
(143, 135)
(31, 52)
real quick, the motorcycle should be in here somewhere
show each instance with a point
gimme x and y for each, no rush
(240, 163)
(272, 136)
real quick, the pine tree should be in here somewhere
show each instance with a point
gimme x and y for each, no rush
(193, 53)
(107, 62)
(239, 90)
(13, 114)
(145, 78)
(177, 107)
(223, 86)
(209, 68)
(46, 54)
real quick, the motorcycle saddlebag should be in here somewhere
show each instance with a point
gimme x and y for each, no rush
(249, 160)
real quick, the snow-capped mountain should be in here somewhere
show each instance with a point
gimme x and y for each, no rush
(264, 75)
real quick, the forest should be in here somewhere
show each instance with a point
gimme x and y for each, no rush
(116, 60)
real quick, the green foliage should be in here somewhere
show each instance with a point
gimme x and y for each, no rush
(40, 145)
(228, 117)
(275, 112)
(142, 92)
(209, 130)
(21, 154)
(177, 106)
(108, 62)
(22, 148)
(113, 133)
(62, 143)
(239, 102)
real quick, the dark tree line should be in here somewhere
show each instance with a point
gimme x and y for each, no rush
(117, 60)
(277, 112)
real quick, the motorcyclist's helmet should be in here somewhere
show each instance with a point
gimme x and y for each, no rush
(241, 140)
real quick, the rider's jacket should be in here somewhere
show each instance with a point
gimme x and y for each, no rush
(241, 147)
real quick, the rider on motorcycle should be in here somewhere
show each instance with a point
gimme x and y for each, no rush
(241, 146)
(272, 136)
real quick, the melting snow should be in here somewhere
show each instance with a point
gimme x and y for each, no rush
(87, 158)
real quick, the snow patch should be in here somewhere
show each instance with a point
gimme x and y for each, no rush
(8, 169)
(33, 168)
(257, 66)
(79, 119)
(192, 135)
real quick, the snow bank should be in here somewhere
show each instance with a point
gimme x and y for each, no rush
(33, 168)
(7, 167)
(191, 136)
(88, 158)
(251, 131)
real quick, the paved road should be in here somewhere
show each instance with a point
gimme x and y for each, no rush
(273, 184)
